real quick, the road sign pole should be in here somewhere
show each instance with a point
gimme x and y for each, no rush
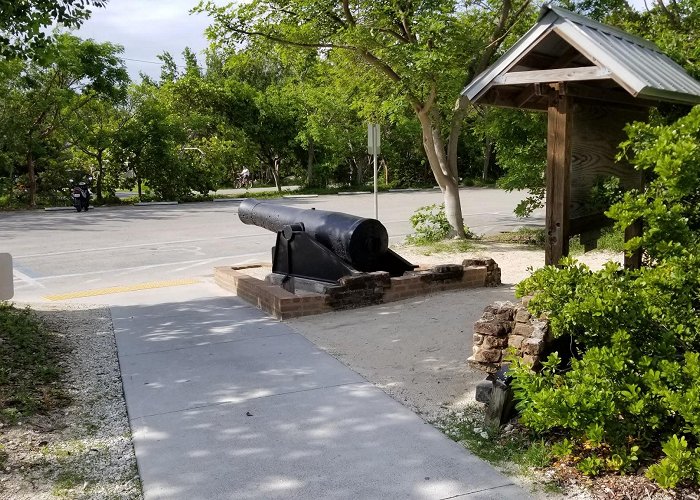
(373, 149)
(376, 196)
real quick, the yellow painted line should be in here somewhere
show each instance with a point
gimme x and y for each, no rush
(121, 289)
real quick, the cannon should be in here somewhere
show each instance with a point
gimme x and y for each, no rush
(321, 245)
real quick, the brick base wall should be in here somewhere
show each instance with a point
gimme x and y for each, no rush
(359, 290)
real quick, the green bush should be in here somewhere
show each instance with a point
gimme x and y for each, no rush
(430, 225)
(630, 393)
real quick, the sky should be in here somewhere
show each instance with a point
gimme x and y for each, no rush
(146, 28)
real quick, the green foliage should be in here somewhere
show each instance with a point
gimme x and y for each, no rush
(29, 370)
(23, 23)
(632, 382)
(430, 225)
(521, 151)
(611, 239)
(680, 464)
(669, 155)
(413, 58)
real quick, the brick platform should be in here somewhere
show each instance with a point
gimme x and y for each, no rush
(357, 291)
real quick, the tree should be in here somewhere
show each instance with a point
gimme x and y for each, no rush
(93, 129)
(423, 52)
(50, 94)
(22, 23)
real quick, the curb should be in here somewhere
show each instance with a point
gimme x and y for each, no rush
(223, 200)
(59, 209)
(348, 193)
(147, 203)
(293, 196)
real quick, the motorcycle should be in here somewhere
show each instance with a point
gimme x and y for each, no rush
(80, 195)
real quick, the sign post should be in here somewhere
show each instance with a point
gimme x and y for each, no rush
(373, 149)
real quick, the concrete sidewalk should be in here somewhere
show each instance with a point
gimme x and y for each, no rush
(225, 402)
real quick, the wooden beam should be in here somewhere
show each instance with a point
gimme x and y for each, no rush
(616, 96)
(559, 134)
(530, 91)
(553, 75)
(588, 223)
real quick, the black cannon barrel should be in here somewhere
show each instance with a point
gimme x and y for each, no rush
(356, 240)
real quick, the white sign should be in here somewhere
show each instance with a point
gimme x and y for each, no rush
(373, 139)
(7, 290)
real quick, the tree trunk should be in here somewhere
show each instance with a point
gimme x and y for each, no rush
(488, 156)
(444, 169)
(275, 169)
(98, 184)
(31, 173)
(310, 164)
(361, 170)
(138, 185)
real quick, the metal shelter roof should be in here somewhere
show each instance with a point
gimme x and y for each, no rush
(566, 47)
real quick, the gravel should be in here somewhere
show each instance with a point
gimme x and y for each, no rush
(85, 449)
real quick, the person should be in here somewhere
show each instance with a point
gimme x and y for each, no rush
(244, 178)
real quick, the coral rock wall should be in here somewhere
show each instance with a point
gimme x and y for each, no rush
(505, 326)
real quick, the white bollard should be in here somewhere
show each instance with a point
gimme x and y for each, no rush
(7, 289)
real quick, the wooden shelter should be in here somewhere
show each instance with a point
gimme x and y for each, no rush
(591, 79)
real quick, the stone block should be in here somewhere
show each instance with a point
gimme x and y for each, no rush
(477, 339)
(493, 328)
(515, 341)
(523, 329)
(522, 315)
(483, 391)
(540, 330)
(487, 356)
(533, 347)
(357, 281)
(448, 271)
(484, 367)
(503, 311)
(493, 277)
(495, 342)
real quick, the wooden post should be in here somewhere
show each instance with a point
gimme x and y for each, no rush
(633, 261)
(559, 129)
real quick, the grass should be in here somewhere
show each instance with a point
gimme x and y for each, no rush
(521, 236)
(442, 246)
(515, 451)
(493, 445)
(65, 482)
(610, 239)
(29, 369)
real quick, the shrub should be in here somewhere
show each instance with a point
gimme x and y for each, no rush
(630, 394)
(430, 225)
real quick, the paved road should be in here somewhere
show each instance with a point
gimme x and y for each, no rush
(62, 252)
